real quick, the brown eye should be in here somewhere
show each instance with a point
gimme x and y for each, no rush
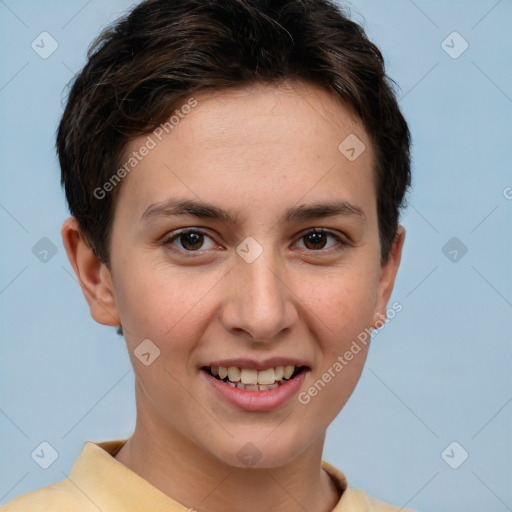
(189, 241)
(317, 239)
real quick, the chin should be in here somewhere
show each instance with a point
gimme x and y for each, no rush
(261, 450)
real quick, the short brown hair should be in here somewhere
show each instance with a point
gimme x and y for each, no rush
(163, 51)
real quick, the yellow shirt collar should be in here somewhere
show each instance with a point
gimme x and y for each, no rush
(96, 473)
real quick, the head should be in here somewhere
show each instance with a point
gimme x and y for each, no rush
(253, 122)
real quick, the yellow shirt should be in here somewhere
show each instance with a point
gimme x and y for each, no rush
(98, 482)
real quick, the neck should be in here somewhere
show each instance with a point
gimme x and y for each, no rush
(193, 477)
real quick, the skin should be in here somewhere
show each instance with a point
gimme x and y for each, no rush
(254, 151)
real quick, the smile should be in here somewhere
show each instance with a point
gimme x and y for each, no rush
(250, 379)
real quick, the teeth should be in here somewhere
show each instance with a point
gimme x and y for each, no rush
(233, 374)
(251, 377)
(266, 376)
(253, 387)
(288, 370)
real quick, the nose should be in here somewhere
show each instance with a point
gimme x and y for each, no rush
(260, 303)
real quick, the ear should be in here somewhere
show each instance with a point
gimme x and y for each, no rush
(93, 275)
(387, 278)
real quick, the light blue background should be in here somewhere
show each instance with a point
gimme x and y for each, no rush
(439, 372)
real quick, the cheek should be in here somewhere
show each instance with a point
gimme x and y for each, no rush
(168, 306)
(172, 316)
(343, 303)
(342, 311)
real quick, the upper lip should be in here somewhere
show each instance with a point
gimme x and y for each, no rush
(242, 362)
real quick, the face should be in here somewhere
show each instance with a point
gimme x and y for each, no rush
(245, 239)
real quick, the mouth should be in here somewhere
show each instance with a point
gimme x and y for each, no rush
(250, 379)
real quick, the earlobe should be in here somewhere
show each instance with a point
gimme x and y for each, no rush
(387, 278)
(92, 274)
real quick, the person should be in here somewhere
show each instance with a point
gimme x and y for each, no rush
(235, 171)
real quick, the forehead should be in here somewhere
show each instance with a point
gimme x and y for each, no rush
(281, 115)
(255, 143)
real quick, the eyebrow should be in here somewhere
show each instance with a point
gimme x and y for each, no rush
(202, 210)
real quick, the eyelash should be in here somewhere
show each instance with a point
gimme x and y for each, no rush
(342, 244)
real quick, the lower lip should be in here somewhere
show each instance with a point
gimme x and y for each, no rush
(256, 400)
